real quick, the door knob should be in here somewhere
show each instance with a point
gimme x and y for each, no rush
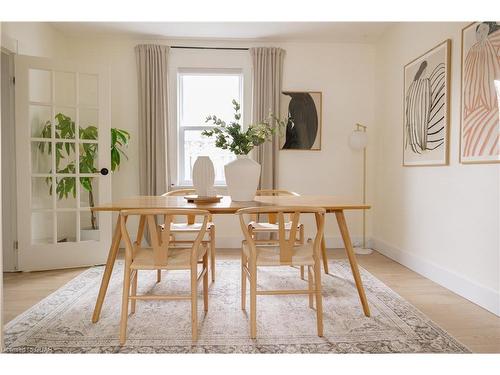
(104, 171)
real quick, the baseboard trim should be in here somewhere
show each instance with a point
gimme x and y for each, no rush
(481, 295)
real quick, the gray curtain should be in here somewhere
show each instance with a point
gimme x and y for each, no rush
(153, 117)
(267, 81)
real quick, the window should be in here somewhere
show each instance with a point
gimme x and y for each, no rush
(199, 94)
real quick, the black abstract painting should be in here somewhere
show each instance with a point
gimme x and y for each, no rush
(304, 121)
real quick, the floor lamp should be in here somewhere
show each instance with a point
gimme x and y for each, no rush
(358, 141)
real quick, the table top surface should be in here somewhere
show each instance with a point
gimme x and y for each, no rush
(227, 206)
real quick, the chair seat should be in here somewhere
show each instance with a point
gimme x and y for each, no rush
(178, 259)
(269, 255)
(185, 227)
(270, 227)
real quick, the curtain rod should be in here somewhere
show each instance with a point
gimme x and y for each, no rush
(219, 48)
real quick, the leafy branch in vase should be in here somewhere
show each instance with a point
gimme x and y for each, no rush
(232, 137)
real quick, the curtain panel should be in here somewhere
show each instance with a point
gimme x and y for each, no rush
(153, 118)
(267, 80)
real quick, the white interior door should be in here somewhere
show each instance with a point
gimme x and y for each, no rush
(62, 145)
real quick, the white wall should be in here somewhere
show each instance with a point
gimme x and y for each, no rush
(343, 72)
(440, 221)
(34, 39)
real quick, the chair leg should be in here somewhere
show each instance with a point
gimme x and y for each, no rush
(324, 255)
(205, 281)
(253, 299)
(301, 242)
(319, 298)
(194, 303)
(243, 281)
(126, 290)
(323, 248)
(310, 281)
(212, 252)
(135, 279)
(158, 276)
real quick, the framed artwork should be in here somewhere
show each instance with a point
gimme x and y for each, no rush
(303, 128)
(426, 108)
(480, 116)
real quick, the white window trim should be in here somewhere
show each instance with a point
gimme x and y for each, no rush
(181, 60)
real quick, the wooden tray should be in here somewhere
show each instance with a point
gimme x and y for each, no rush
(200, 199)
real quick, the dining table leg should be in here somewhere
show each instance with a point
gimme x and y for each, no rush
(352, 260)
(323, 249)
(108, 269)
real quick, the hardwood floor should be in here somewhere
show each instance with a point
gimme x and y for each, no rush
(475, 327)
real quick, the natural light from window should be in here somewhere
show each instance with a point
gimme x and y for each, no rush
(201, 94)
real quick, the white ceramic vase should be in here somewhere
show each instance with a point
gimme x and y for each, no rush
(203, 176)
(242, 178)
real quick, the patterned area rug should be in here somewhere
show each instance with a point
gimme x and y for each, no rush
(61, 323)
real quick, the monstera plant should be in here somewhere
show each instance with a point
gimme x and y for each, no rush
(64, 130)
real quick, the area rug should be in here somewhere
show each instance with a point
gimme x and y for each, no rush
(61, 323)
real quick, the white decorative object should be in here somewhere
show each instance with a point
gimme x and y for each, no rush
(242, 178)
(203, 176)
(358, 140)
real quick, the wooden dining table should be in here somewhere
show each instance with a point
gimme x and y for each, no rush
(331, 204)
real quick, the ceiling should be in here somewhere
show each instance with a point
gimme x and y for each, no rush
(330, 32)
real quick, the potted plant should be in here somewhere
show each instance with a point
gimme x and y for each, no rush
(242, 174)
(65, 129)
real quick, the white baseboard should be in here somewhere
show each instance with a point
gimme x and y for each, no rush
(481, 295)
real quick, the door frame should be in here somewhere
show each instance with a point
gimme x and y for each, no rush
(1, 247)
(9, 238)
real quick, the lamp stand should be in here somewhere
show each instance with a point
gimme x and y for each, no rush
(363, 250)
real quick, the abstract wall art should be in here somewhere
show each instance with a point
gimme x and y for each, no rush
(480, 116)
(426, 108)
(303, 128)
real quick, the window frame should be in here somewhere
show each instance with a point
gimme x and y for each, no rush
(180, 129)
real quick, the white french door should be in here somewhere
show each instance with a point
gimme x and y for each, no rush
(63, 163)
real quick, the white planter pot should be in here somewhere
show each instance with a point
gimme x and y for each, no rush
(89, 234)
(242, 178)
(203, 176)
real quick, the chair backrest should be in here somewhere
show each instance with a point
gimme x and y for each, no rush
(179, 192)
(276, 192)
(160, 240)
(182, 192)
(286, 243)
(273, 193)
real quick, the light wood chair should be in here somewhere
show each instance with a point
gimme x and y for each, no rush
(191, 227)
(164, 254)
(283, 252)
(271, 227)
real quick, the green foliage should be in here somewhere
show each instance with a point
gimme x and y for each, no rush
(231, 137)
(65, 151)
(119, 139)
